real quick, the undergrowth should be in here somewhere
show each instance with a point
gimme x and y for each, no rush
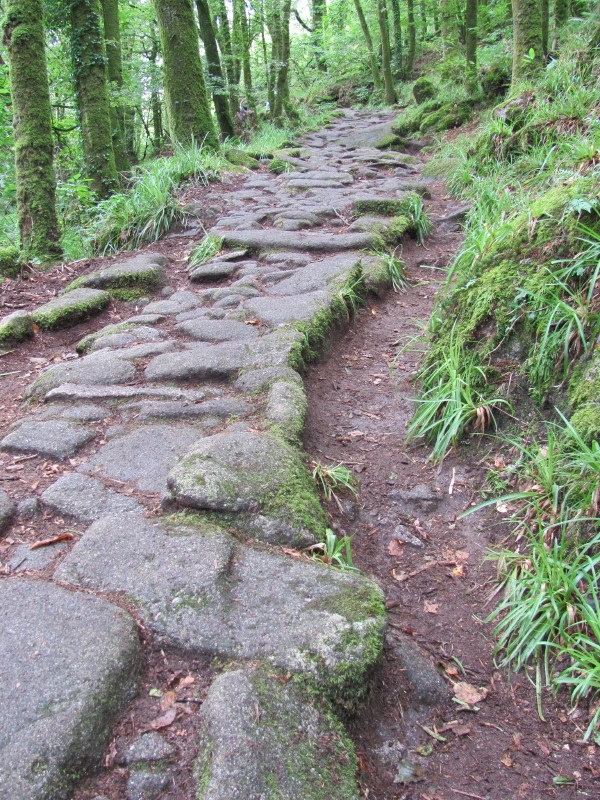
(518, 327)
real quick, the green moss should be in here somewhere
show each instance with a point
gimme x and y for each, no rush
(137, 282)
(387, 206)
(127, 295)
(241, 158)
(393, 231)
(9, 261)
(278, 166)
(376, 275)
(69, 310)
(423, 90)
(584, 397)
(15, 327)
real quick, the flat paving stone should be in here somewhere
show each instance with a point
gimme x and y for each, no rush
(319, 275)
(254, 728)
(69, 664)
(97, 368)
(15, 327)
(273, 310)
(23, 559)
(143, 456)
(118, 336)
(172, 409)
(207, 330)
(221, 361)
(69, 309)
(86, 499)
(202, 593)
(213, 271)
(307, 241)
(54, 438)
(110, 393)
(256, 380)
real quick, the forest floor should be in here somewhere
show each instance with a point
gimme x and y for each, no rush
(413, 739)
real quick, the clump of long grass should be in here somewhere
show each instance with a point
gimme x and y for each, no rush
(150, 207)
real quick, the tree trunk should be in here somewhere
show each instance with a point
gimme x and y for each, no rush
(527, 39)
(386, 56)
(185, 92)
(112, 39)
(319, 10)
(229, 61)
(243, 40)
(397, 47)
(449, 25)
(471, 44)
(545, 26)
(412, 38)
(32, 123)
(155, 103)
(282, 34)
(89, 68)
(369, 41)
(217, 80)
(423, 15)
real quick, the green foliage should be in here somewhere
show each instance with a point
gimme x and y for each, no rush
(330, 478)
(209, 247)
(335, 551)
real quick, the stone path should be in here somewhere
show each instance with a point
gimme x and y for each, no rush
(183, 427)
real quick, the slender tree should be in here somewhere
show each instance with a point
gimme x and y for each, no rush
(527, 39)
(112, 37)
(545, 7)
(397, 39)
(217, 80)
(386, 56)
(32, 122)
(242, 37)
(88, 57)
(412, 38)
(229, 60)
(367, 34)
(318, 12)
(185, 92)
(471, 44)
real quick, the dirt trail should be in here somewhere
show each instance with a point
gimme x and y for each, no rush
(124, 438)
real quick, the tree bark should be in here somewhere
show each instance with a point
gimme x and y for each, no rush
(318, 12)
(367, 34)
(218, 88)
(243, 40)
(386, 56)
(545, 26)
(527, 39)
(471, 44)
(185, 92)
(112, 39)
(89, 68)
(229, 60)
(32, 123)
(397, 46)
(412, 38)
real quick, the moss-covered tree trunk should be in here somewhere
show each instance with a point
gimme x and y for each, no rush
(318, 12)
(527, 39)
(281, 42)
(242, 38)
(397, 39)
(89, 69)
(545, 26)
(112, 38)
(217, 79)
(185, 91)
(471, 44)
(369, 41)
(155, 103)
(386, 55)
(412, 38)
(229, 60)
(32, 122)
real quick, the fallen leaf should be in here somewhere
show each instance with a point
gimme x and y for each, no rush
(469, 694)
(252, 322)
(419, 528)
(187, 681)
(461, 730)
(395, 548)
(507, 760)
(63, 537)
(291, 552)
(167, 700)
(517, 738)
(163, 721)
(430, 607)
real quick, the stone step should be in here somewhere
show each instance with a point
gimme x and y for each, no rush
(271, 239)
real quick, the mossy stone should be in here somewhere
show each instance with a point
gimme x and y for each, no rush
(278, 166)
(70, 309)
(423, 89)
(15, 327)
(241, 159)
(9, 261)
